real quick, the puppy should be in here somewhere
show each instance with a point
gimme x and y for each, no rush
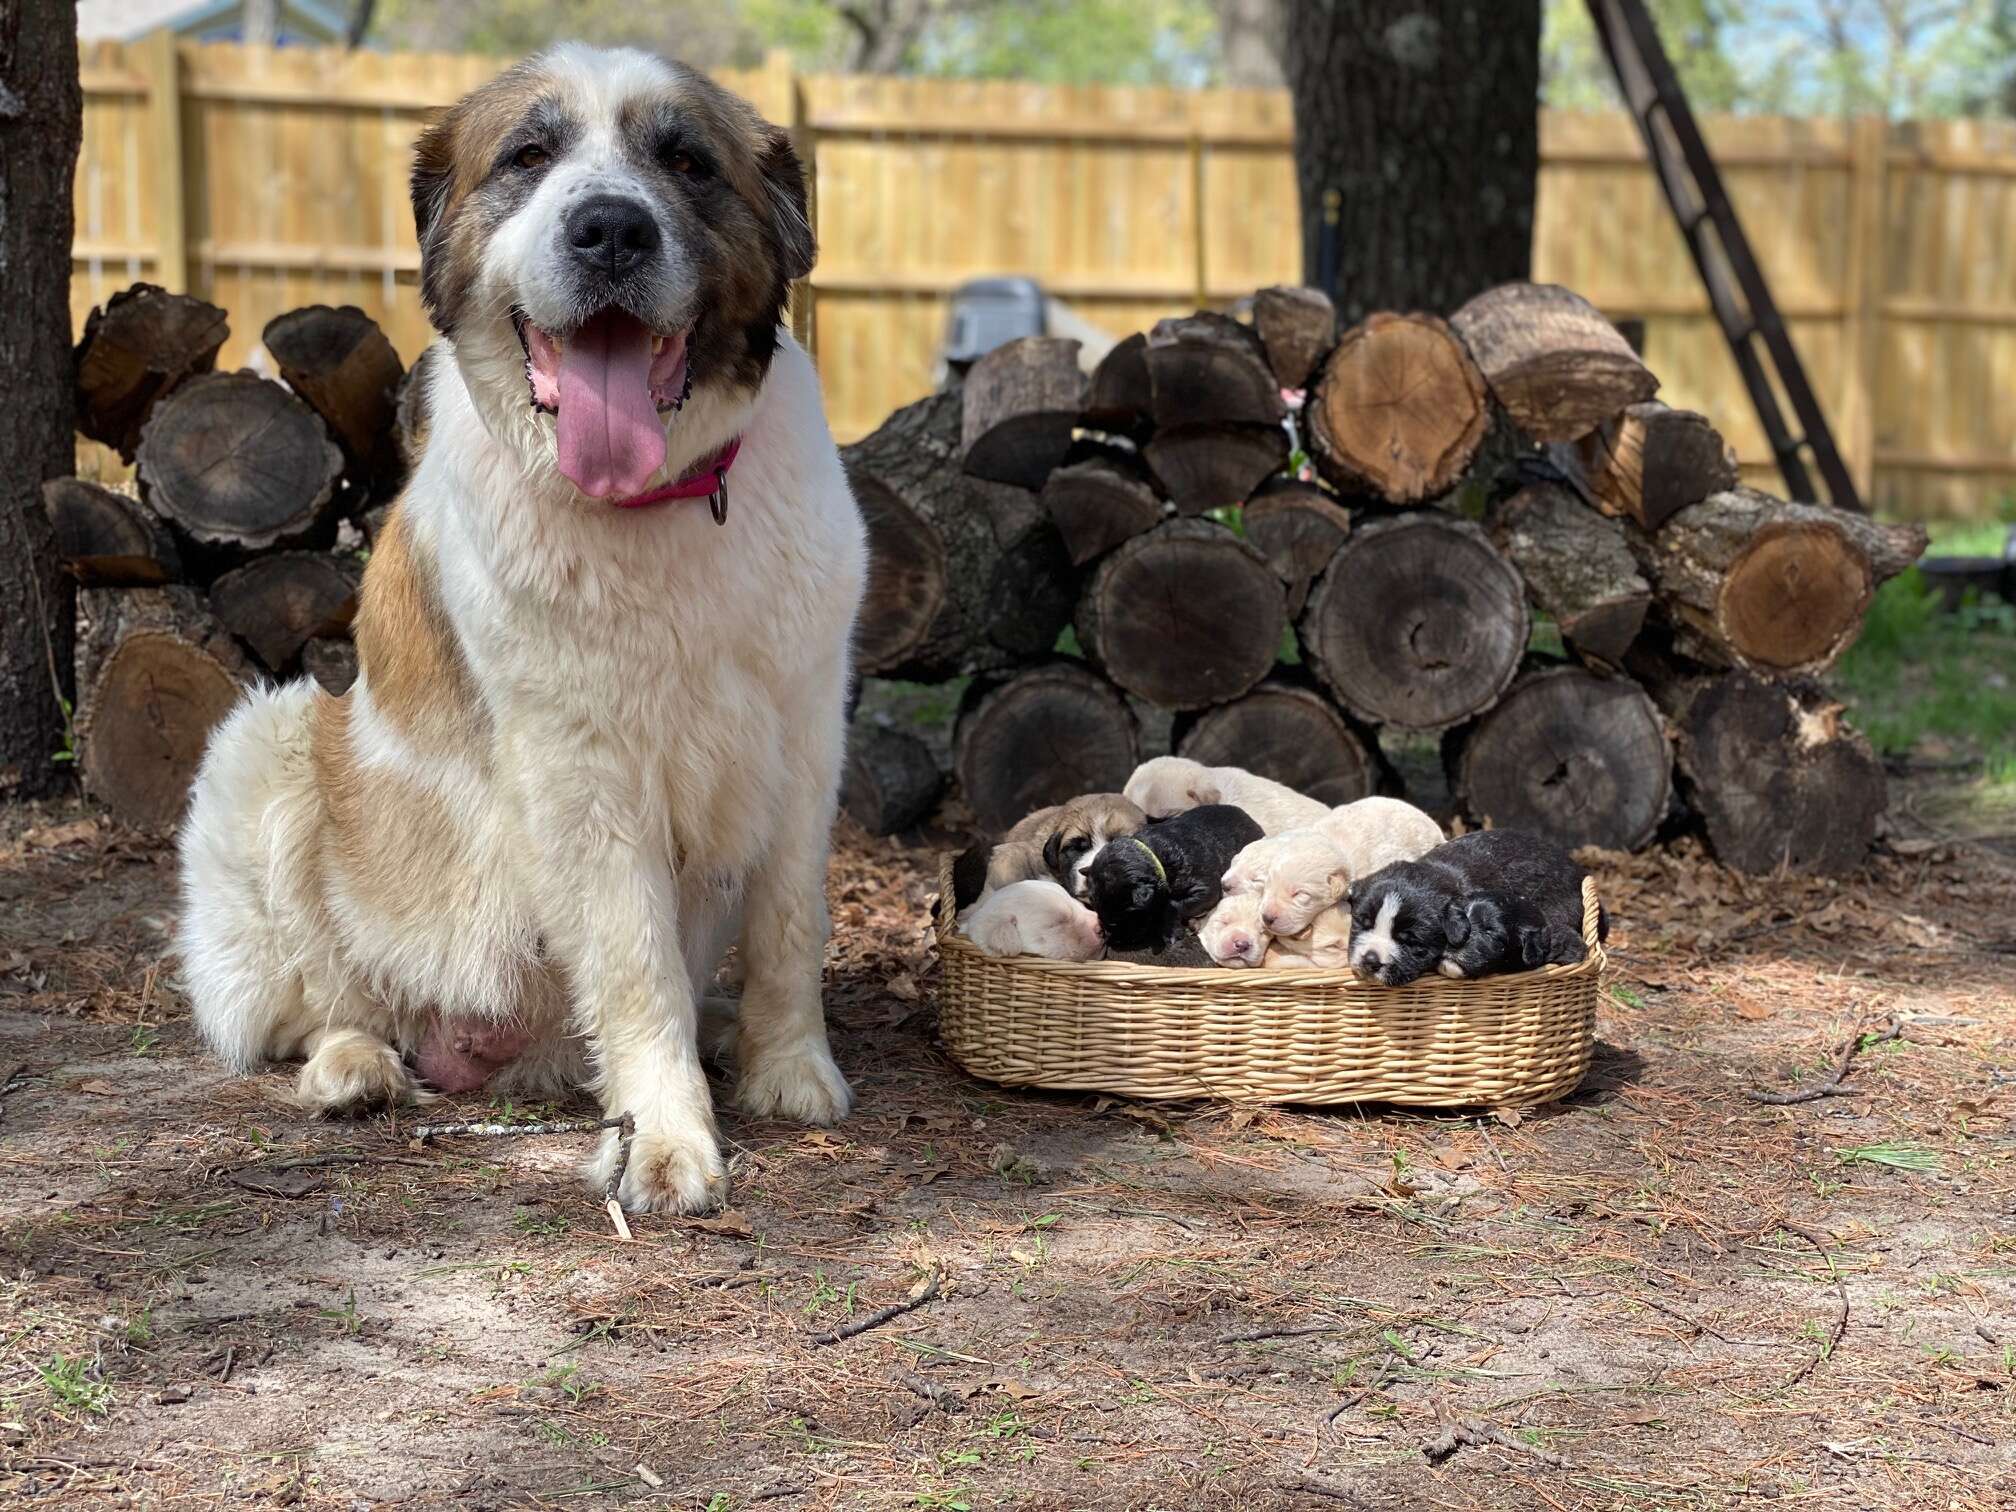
(1171, 785)
(1058, 842)
(1145, 887)
(1232, 934)
(1301, 872)
(1035, 918)
(1325, 944)
(1499, 900)
(1376, 832)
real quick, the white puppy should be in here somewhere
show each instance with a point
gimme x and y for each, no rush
(1376, 832)
(1171, 785)
(1232, 934)
(1325, 943)
(1036, 918)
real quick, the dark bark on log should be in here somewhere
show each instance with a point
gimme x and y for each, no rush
(1291, 733)
(1185, 616)
(162, 674)
(1752, 581)
(40, 125)
(1556, 365)
(1776, 773)
(107, 539)
(1215, 466)
(1579, 758)
(1578, 569)
(331, 662)
(892, 783)
(965, 576)
(238, 462)
(1298, 527)
(1419, 622)
(337, 359)
(1417, 148)
(277, 604)
(1098, 503)
(1398, 409)
(1046, 735)
(137, 348)
(1650, 462)
(1298, 327)
(1207, 369)
(1022, 401)
(1120, 398)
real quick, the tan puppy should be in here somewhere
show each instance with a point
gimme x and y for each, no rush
(1325, 944)
(1170, 785)
(1376, 832)
(1232, 934)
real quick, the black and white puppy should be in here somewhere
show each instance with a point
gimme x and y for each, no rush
(1494, 901)
(1145, 887)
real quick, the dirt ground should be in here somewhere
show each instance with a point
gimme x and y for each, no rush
(1659, 1293)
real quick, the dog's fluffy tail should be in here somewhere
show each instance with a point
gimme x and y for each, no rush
(248, 867)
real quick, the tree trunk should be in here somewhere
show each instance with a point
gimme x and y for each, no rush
(1556, 365)
(1419, 622)
(964, 575)
(1417, 147)
(137, 348)
(240, 463)
(162, 674)
(107, 539)
(1098, 503)
(1778, 776)
(41, 122)
(1579, 758)
(1752, 581)
(276, 604)
(892, 783)
(1578, 569)
(1207, 369)
(1298, 327)
(1214, 466)
(1291, 733)
(332, 662)
(1049, 734)
(338, 360)
(1298, 528)
(1185, 616)
(1398, 408)
(1022, 401)
(1651, 462)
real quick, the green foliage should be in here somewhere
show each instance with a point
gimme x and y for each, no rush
(1898, 1155)
(69, 1379)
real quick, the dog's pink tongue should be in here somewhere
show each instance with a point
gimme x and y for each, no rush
(612, 442)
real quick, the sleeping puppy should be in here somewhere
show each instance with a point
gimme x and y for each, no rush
(1171, 785)
(1145, 887)
(1498, 900)
(1056, 842)
(1302, 872)
(1081, 830)
(1326, 943)
(1234, 935)
(1035, 918)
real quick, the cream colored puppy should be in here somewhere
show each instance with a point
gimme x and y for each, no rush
(1036, 918)
(1232, 934)
(1170, 785)
(1376, 832)
(1326, 943)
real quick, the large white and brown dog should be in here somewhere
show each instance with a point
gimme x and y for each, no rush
(596, 734)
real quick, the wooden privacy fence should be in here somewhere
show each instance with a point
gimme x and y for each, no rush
(264, 180)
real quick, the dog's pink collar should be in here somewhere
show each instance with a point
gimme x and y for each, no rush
(708, 481)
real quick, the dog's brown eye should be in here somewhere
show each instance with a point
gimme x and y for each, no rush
(680, 162)
(531, 157)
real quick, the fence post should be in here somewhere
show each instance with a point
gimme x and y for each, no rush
(157, 60)
(1868, 167)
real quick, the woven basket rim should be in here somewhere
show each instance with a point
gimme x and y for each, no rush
(1222, 978)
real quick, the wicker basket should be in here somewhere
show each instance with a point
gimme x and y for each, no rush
(1268, 1035)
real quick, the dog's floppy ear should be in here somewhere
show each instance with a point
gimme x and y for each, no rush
(432, 184)
(969, 874)
(1053, 852)
(790, 215)
(1205, 790)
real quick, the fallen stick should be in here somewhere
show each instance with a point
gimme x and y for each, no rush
(1826, 1350)
(1315, 1485)
(1476, 1433)
(943, 1398)
(881, 1315)
(1378, 1380)
(1832, 1086)
(1282, 1333)
(425, 1132)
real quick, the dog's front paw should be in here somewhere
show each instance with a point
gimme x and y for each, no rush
(351, 1071)
(668, 1172)
(800, 1083)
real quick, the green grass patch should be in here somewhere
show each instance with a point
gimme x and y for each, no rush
(1898, 1156)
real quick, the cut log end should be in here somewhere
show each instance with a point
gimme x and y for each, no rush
(339, 361)
(277, 604)
(108, 540)
(1207, 369)
(906, 576)
(1794, 597)
(1099, 503)
(238, 461)
(1021, 403)
(1398, 408)
(892, 783)
(1047, 735)
(1215, 466)
(1120, 400)
(1291, 734)
(1297, 527)
(1650, 462)
(332, 662)
(1298, 327)
(136, 349)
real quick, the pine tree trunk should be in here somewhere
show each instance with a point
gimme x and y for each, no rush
(1417, 139)
(41, 123)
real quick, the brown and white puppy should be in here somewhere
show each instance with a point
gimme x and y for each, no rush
(593, 740)
(1057, 842)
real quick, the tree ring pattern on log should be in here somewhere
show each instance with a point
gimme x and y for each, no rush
(151, 712)
(1291, 734)
(1399, 407)
(1045, 736)
(1795, 596)
(1581, 759)
(1419, 622)
(906, 575)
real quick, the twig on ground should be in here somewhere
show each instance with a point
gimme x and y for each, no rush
(1477, 1433)
(1315, 1485)
(1281, 1333)
(1826, 1350)
(1699, 1327)
(1378, 1380)
(1492, 1145)
(944, 1399)
(424, 1132)
(1859, 1041)
(882, 1315)
(609, 1200)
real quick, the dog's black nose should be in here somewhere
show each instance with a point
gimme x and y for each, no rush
(611, 234)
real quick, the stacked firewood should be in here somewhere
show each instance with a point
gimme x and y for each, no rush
(225, 561)
(1405, 497)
